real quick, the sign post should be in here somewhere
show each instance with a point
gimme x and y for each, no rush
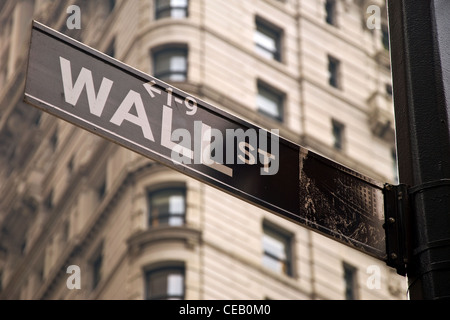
(104, 96)
(420, 56)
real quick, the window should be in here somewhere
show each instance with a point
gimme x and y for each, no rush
(277, 250)
(111, 5)
(170, 64)
(270, 101)
(171, 9)
(54, 140)
(330, 12)
(37, 119)
(350, 281)
(388, 88)
(111, 50)
(385, 36)
(48, 202)
(338, 135)
(101, 189)
(167, 207)
(70, 164)
(23, 247)
(334, 67)
(267, 40)
(96, 266)
(165, 283)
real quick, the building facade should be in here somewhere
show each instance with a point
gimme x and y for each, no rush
(136, 229)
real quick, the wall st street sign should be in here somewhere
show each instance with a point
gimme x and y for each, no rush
(104, 96)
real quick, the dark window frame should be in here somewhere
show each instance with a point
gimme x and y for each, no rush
(331, 12)
(168, 270)
(388, 89)
(272, 31)
(171, 50)
(96, 266)
(49, 201)
(71, 164)
(334, 70)
(23, 246)
(38, 118)
(54, 140)
(111, 49)
(164, 218)
(287, 238)
(101, 189)
(338, 130)
(111, 5)
(385, 36)
(280, 100)
(161, 11)
(351, 281)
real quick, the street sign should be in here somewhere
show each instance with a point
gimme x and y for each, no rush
(104, 96)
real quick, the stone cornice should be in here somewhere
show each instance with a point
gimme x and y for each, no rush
(142, 239)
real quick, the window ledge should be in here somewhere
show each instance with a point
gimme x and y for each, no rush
(381, 117)
(184, 234)
(383, 58)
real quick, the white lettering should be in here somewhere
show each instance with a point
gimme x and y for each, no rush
(150, 89)
(181, 154)
(190, 310)
(249, 157)
(267, 158)
(241, 136)
(72, 92)
(169, 96)
(192, 106)
(374, 20)
(74, 281)
(218, 147)
(374, 280)
(246, 309)
(166, 136)
(74, 20)
(141, 120)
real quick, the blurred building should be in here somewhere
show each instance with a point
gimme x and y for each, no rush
(138, 230)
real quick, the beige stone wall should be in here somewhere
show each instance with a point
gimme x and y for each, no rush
(221, 244)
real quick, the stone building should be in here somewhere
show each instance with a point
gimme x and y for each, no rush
(137, 230)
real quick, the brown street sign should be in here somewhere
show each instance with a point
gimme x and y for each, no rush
(104, 96)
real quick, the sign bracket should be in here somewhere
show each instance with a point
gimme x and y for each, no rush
(397, 209)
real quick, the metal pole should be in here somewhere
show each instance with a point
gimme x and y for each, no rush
(420, 57)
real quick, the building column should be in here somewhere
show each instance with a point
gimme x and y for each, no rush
(20, 34)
